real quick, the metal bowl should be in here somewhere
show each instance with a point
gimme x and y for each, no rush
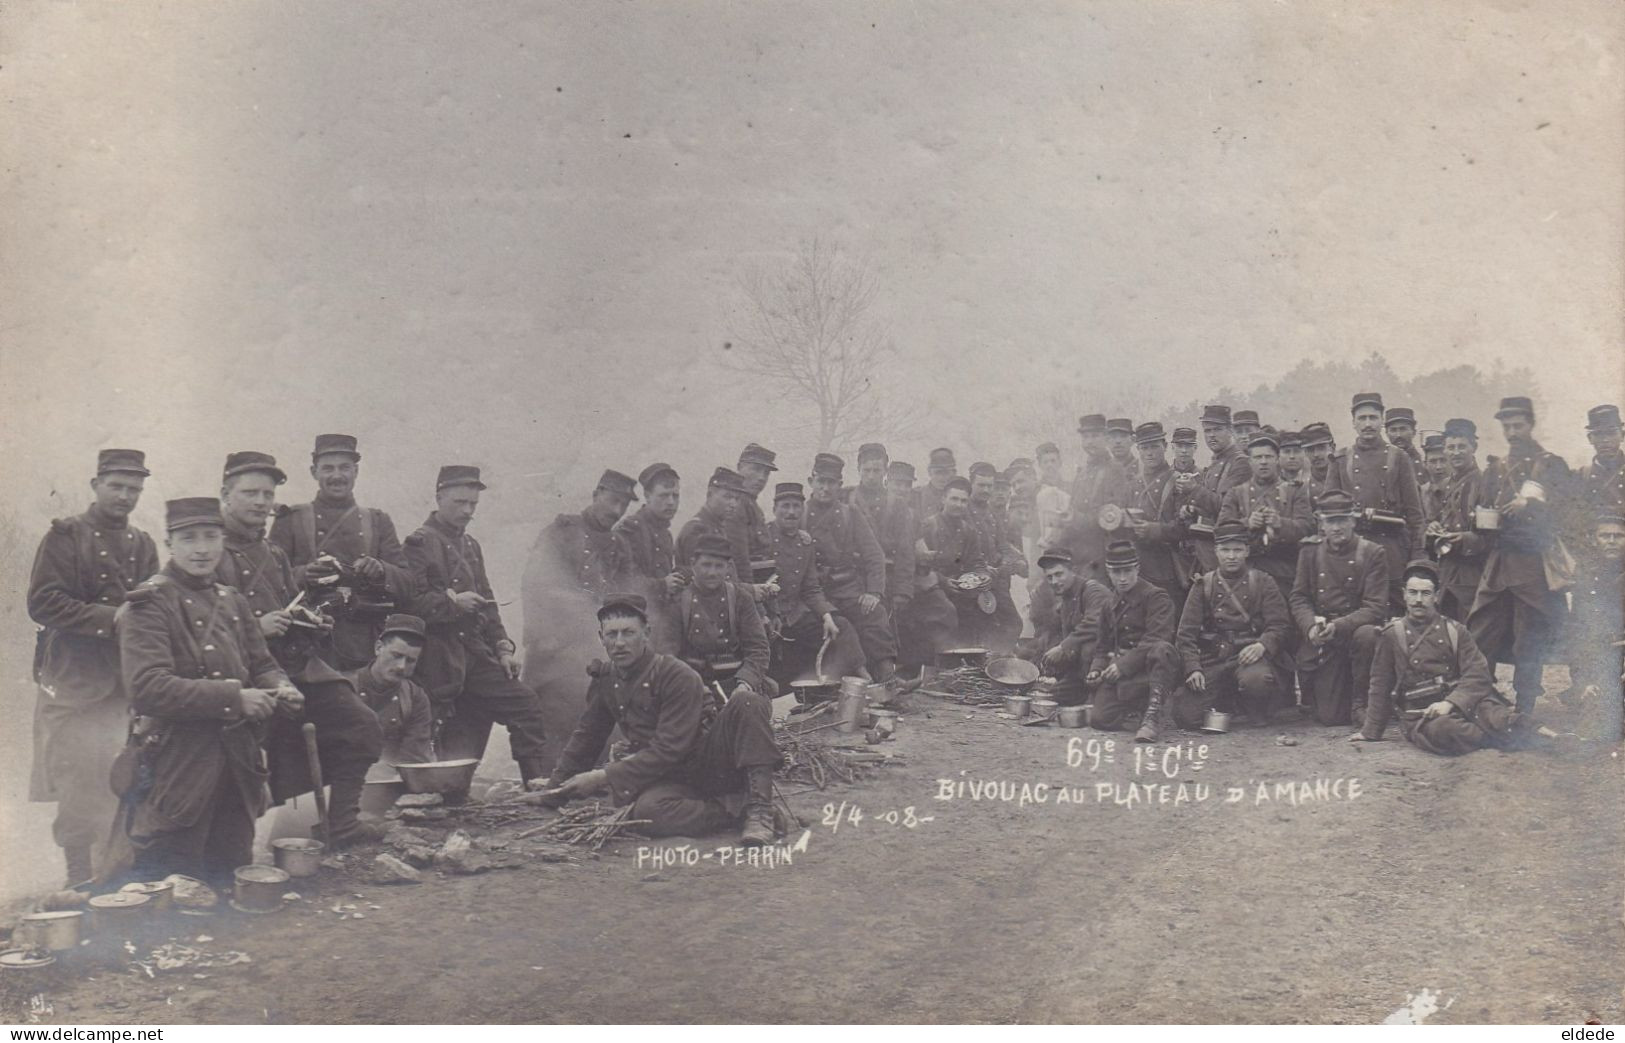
(1012, 672)
(449, 778)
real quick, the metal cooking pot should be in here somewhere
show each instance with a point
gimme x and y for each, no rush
(1072, 716)
(57, 931)
(1012, 672)
(1020, 705)
(1216, 722)
(119, 913)
(448, 778)
(260, 888)
(885, 721)
(298, 856)
(813, 690)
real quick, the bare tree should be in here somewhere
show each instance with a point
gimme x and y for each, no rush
(806, 328)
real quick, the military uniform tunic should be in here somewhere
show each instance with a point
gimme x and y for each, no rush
(1463, 565)
(851, 564)
(82, 571)
(1221, 617)
(1407, 655)
(1273, 551)
(709, 523)
(1382, 478)
(1137, 634)
(1349, 589)
(405, 717)
(723, 625)
(893, 523)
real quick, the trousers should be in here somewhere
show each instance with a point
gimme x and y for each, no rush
(1335, 677)
(1492, 723)
(795, 650)
(221, 840)
(348, 739)
(1516, 625)
(740, 738)
(1123, 704)
(489, 696)
(1254, 689)
(74, 750)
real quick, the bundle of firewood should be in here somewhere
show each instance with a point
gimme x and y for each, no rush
(590, 824)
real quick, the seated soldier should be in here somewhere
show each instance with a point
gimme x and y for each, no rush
(1338, 600)
(1429, 671)
(1595, 628)
(403, 708)
(1233, 637)
(1135, 665)
(720, 631)
(693, 767)
(800, 619)
(1066, 642)
(204, 687)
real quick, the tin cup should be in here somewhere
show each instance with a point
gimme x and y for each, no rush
(298, 856)
(1019, 705)
(1216, 722)
(259, 888)
(1072, 716)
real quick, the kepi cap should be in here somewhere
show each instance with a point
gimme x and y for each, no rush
(727, 478)
(1317, 433)
(828, 465)
(190, 511)
(1245, 416)
(401, 623)
(714, 545)
(788, 491)
(1058, 555)
(1151, 431)
(755, 454)
(616, 482)
(1365, 398)
(634, 603)
(1460, 427)
(1515, 405)
(1215, 414)
(335, 444)
(1403, 414)
(1599, 417)
(1120, 425)
(900, 469)
(942, 458)
(872, 451)
(129, 461)
(1091, 423)
(983, 469)
(1184, 435)
(1433, 442)
(1120, 554)
(1230, 532)
(655, 473)
(1335, 503)
(249, 462)
(458, 474)
(1421, 567)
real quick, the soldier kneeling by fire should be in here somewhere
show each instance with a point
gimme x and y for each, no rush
(1429, 671)
(696, 764)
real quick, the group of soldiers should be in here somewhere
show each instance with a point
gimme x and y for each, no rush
(1376, 582)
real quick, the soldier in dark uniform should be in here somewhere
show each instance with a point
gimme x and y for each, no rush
(1277, 516)
(852, 567)
(468, 665)
(1450, 533)
(1244, 424)
(1183, 442)
(749, 526)
(693, 768)
(404, 711)
(1293, 459)
(1204, 494)
(1120, 443)
(1156, 529)
(1134, 669)
(85, 566)
(722, 636)
(1596, 628)
(1382, 480)
(950, 545)
(204, 687)
(653, 551)
(724, 500)
(1399, 424)
(332, 541)
(1602, 483)
(1338, 600)
(1233, 638)
(1437, 468)
(1517, 610)
(348, 738)
(891, 519)
(1067, 637)
(939, 470)
(1318, 446)
(1100, 481)
(900, 481)
(800, 617)
(1429, 670)
(1007, 560)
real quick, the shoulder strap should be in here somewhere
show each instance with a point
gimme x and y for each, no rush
(733, 610)
(685, 608)
(1348, 468)
(1402, 647)
(304, 523)
(1452, 628)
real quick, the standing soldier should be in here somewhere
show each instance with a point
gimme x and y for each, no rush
(1437, 468)
(333, 541)
(203, 686)
(892, 521)
(1051, 501)
(852, 567)
(1135, 666)
(1596, 630)
(1007, 560)
(1183, 442)
(1205, 492)
(1293, 459)
(1518, 609)
(576, 559)
(1120, 443)
(468, 665)
(1602, 483)
(800, 619)
(1459, 549)
(1157, 533)
(1400, 425)
(83, 570)
(748, 527)
(1338, 600)
(939, 470)
(1067, 639)
(1318, 445)
(1100, 481)
(1244, 424)
(950, 545)
(724, 500)
(1430, 670)
(1382, 480)
(1276, 515)
(900, 480)
(1233, 638)
(348, 738)
(653, 556)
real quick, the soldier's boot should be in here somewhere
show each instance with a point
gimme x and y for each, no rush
(344, 825)
(1151, 720)
(761, 825)
(78, 863)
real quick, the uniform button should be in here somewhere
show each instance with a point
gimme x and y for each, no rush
(103, 575)
(215, 674)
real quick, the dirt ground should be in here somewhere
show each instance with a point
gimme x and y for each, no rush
(1493, 880)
